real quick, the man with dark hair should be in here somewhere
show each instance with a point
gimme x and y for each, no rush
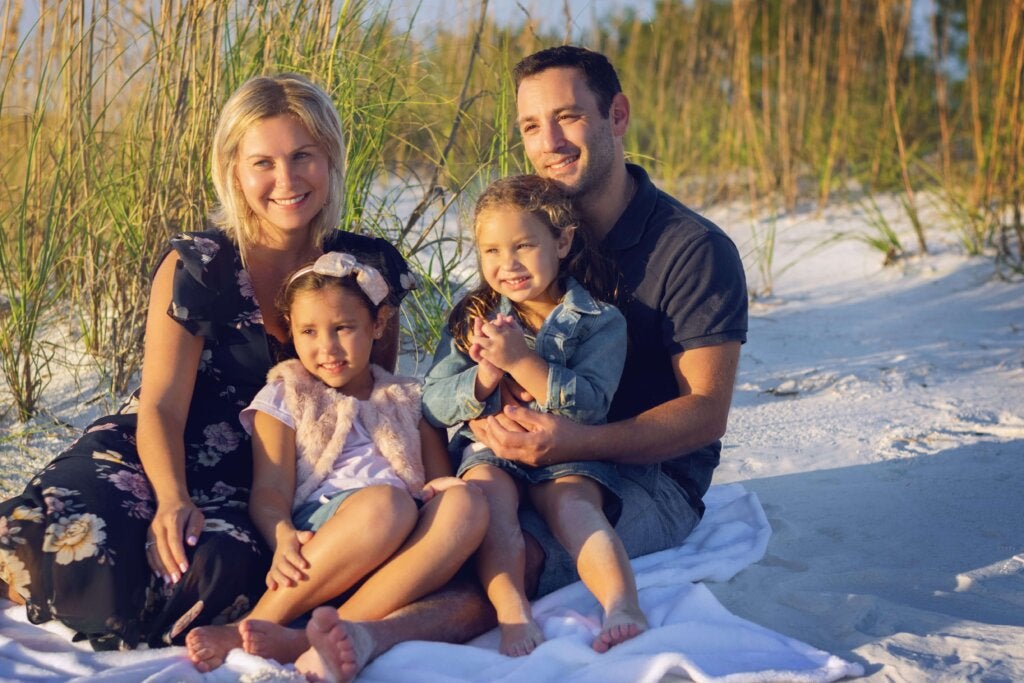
(687, 316)
(686, 311)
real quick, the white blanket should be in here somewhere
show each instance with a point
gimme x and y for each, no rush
(691, 634)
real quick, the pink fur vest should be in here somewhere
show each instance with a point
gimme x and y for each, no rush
(323, 418)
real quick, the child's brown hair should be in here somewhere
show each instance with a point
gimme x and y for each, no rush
(546, 201)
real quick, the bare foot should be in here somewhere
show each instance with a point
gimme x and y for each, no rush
(620, 624)
(209, 645)
(518, 640)
(338, 649)
(272, 641)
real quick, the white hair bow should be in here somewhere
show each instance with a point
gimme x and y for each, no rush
(340, 264)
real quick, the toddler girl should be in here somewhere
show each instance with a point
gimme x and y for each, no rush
(341, 454)
(536, 328)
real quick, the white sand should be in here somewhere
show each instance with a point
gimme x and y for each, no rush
(879, 415)
(889, 460)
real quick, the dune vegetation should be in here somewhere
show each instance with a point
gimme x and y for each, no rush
(107, 110)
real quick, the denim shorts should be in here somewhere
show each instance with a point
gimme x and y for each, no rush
(314, 514)
(656, 514)
(604, 473)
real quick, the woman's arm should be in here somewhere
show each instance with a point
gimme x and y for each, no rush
(169, 365)
(270, 499)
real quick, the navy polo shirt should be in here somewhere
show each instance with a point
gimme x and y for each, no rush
(684, 288)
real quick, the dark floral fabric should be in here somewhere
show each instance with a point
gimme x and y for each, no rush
(72, 544)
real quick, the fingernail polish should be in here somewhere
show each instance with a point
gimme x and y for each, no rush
(183, 567)
(191, 540)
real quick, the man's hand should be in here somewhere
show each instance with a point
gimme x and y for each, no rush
(529, 437)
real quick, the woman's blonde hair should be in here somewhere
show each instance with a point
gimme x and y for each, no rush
(261, 98)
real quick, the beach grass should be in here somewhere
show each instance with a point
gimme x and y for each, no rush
(107, 111)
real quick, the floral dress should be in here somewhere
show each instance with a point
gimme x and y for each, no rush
(73, 543)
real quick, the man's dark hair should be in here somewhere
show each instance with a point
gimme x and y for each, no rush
(598, 72)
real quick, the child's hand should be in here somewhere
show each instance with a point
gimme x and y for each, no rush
(502, 342)
(512, 393)
(487, 374)
(435, 486)
(288, 566)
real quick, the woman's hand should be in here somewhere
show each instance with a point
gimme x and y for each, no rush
(288, 566)
(174, 524)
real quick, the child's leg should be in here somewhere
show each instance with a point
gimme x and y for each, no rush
(366, 530)
(501, 561)
(572, 507)
(448, 531)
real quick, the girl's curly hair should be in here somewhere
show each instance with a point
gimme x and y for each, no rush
(546, 201)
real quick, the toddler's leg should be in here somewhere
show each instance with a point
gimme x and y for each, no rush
(448, 531)
(367, 529)
(501, 562)
(572, 506)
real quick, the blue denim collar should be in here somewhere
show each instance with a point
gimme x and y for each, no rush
(576, 299)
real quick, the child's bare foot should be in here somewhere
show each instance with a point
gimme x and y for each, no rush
(209, 645)
(272, 641)
(518, 640)
(620, 624)
(338, 649)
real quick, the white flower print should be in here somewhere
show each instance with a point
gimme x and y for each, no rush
(75, 538)
(54, 505)
(222, 489)
(139, 509)
(232, 612)
(207, 248)
(112, 456)
(59, 491)
(245, 284)
(134, 483)
(7, 536)
(247, 318)
(240, 535)
(408, 281)
(14, 573)
(23, 512)
(208, 458)
(213, 524)
(178, 311)
(104, 427)
(221, 437)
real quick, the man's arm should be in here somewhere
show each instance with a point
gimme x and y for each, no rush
(695, 418)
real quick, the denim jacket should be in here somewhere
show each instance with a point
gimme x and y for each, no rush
(584, 342)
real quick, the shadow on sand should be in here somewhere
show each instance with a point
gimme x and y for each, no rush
(925, 546)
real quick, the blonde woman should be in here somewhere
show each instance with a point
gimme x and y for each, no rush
(140, 530)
